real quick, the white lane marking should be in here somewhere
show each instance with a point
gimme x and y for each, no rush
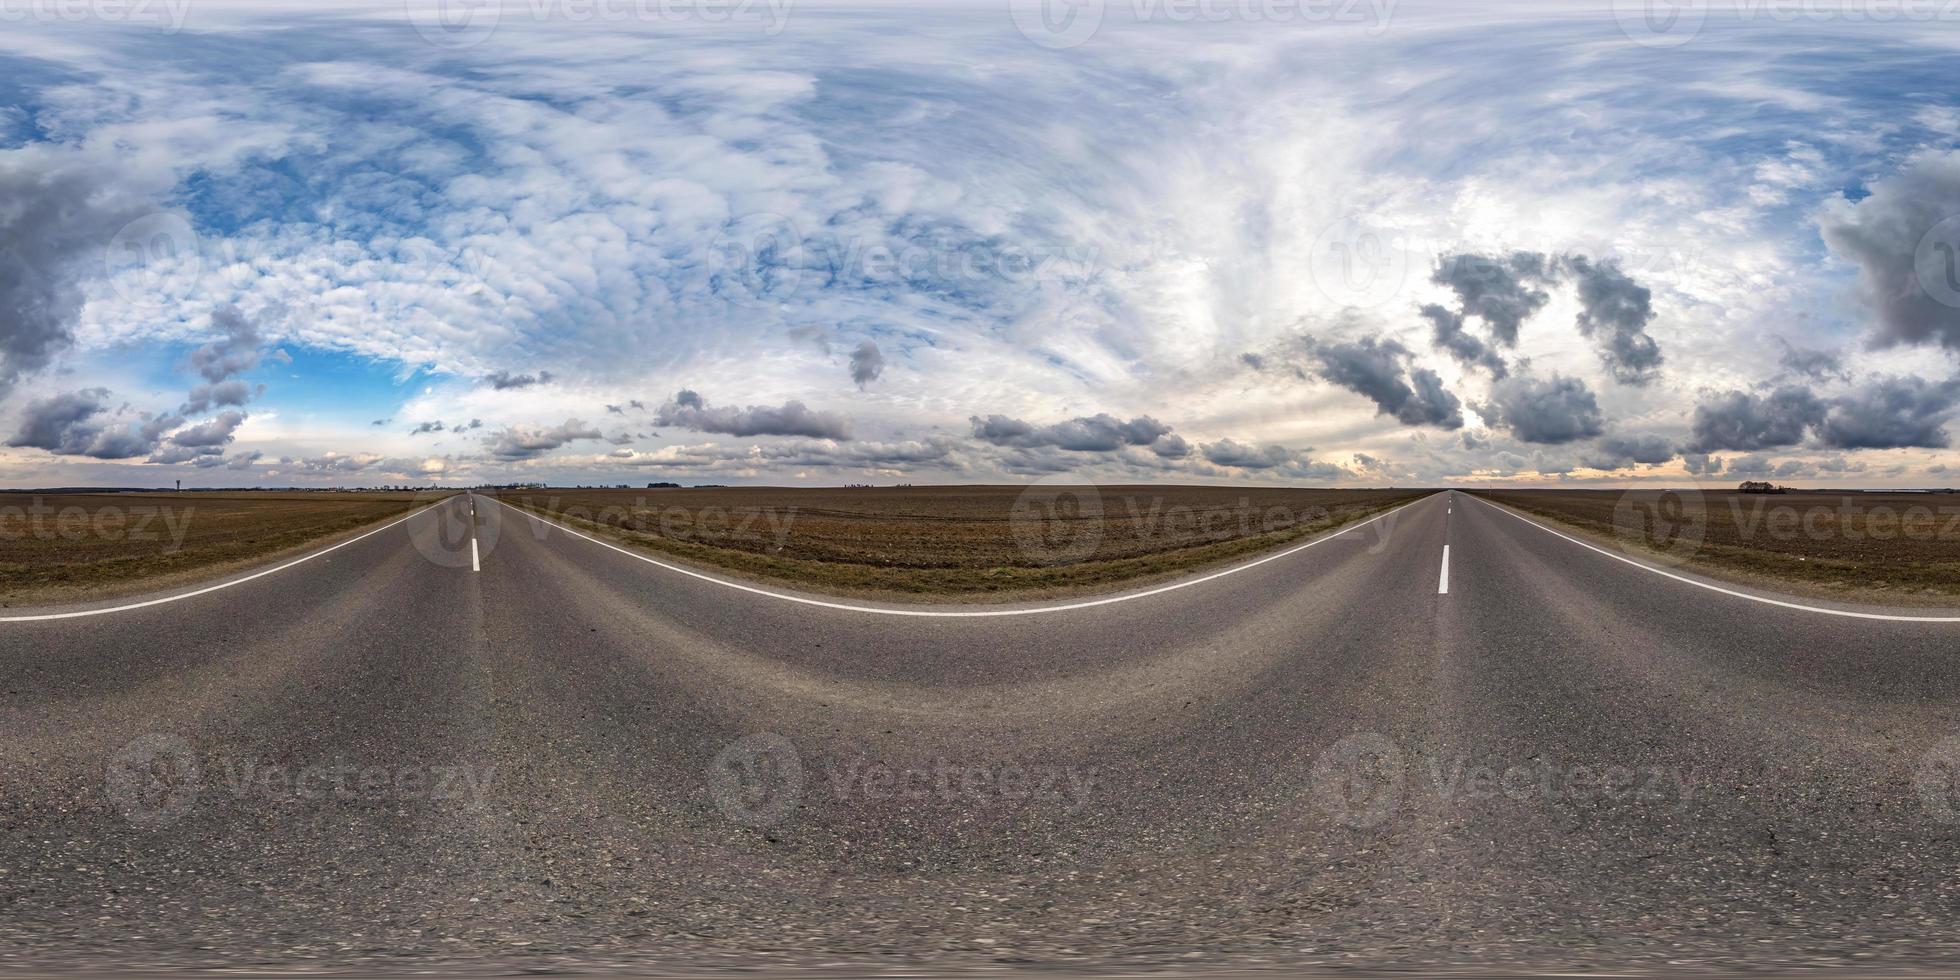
(1443, 584)
(214, 588)
(1716, 588)
(476, 564)
(965, 613)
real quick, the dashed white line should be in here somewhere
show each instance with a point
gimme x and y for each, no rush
(213, 588)
(1731, 592)
(966, 613)
(476, 563)
(1443, 584)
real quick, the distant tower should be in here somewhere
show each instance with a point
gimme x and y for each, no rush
(180, 486)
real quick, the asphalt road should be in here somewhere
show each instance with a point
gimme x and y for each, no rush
(386, 758)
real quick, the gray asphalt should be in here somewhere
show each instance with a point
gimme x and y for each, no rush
(381, 759)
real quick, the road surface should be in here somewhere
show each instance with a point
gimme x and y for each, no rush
(473, 740)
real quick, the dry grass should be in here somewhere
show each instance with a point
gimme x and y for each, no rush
(959, 543)
(87, 546)
(1893, 548)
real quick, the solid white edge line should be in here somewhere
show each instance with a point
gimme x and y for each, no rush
(1443, 584)
(222, 585)
(1716, 588)
(966, 613)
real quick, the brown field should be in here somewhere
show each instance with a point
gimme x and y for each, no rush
(66, 547)
(960, 543)
(1894, 548)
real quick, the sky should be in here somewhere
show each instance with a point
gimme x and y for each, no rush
(1323, 242)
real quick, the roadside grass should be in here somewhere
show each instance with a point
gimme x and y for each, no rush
(1880, 548)
(957, 544)
(84, 547)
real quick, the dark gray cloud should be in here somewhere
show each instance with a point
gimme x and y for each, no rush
(1171, 447)
(80, 423)
(1615, 311)
(1450, 337)
(506, 381)
(689, 410)
(516, 443)
(1502, 291)
(1910, 273)
(1253, 361)
(63, 424)
(1702, 464)
(1280, 459)
(59, 211)
(867, 363)
(1741, 421)
(1817, 365)
(236, 351)
(1101, 433)
(1617, 452)
(1554, 411)
(206, 396)
(1379, 371)
(1890, 413)
(216, 431)
(427, 427)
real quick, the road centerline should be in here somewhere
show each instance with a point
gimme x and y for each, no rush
(1443, 583)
